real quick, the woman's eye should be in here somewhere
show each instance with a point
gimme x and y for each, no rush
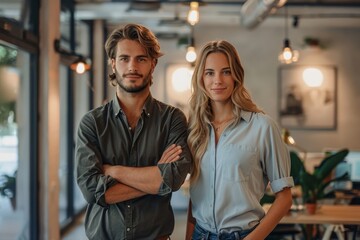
(209, 73)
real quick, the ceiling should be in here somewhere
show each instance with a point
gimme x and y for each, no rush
(168, 17)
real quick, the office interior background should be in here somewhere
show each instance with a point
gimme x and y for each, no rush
(42, 99)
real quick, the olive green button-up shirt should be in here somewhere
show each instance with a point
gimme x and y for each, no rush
(104, 137)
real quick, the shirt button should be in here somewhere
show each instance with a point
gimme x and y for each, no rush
(128, 229)
(130, 128)
(128, 206)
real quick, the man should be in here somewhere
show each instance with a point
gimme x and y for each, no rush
(131, 153)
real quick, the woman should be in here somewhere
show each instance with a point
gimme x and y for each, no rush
(237, 151)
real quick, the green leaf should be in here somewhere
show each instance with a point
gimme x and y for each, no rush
(297, 165)
(329, 164)
(267, 199)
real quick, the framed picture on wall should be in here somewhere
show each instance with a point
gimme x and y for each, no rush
(307, 97)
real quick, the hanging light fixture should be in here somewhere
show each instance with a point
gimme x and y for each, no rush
(287, 54)
(80, 65)
(193, 14)
(77, 62)
(191, 53)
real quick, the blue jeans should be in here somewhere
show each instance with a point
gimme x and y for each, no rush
(202, 234)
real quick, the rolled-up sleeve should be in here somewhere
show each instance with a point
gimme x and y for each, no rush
(90, 178)
(174, 173)
(278, 159)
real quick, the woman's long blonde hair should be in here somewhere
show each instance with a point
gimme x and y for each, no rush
(200, 114)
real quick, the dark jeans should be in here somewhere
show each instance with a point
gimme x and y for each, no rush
(202, 234)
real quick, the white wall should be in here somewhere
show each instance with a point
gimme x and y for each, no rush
(258, 51)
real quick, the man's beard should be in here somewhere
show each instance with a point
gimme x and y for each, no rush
(133, 89)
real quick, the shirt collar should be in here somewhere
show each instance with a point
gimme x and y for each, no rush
(149, 105)
(116, 106)
(147, 108)
(245, 115)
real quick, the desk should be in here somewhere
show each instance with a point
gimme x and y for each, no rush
(335, 216)
(326, 214)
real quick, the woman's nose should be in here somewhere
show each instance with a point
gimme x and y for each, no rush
(217, 79)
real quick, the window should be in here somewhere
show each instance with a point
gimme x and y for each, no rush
(14, 143)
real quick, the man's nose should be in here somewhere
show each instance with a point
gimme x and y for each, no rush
(132, 66)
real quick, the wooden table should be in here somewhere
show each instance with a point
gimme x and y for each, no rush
(334, 216)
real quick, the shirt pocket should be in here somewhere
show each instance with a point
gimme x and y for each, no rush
(237, 162)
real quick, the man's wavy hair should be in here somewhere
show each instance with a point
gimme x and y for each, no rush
(135, 32)
(201, 115)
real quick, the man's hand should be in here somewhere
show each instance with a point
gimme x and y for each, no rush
(171, 154)
(107, 169)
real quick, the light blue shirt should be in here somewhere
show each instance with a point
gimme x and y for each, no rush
(235, 173)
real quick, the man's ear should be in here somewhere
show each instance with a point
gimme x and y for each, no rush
(113, 64)
(153, 64)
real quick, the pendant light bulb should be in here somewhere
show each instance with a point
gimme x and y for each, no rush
(287, 54)
(193, 14)
(191, 54)
(80, 66)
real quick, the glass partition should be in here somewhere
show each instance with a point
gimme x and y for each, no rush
(14, 143)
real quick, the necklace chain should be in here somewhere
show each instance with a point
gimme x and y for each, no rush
(218, 125)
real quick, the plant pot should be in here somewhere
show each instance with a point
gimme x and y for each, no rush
(310, 208)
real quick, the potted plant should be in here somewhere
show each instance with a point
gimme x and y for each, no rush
(315, 185)
(8, 188)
